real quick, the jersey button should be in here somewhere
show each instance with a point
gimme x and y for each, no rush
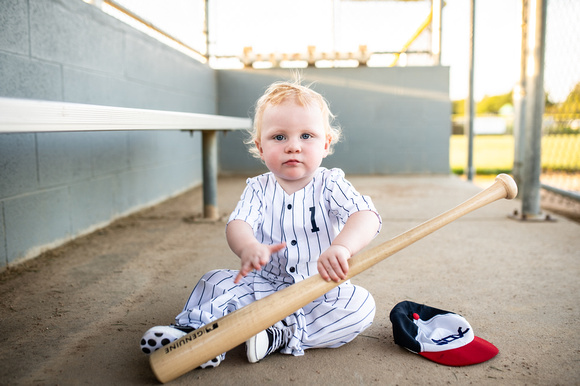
(292, 269)
(293, 242)
(289, 206)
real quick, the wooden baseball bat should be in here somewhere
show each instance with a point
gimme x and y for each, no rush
(207, 342)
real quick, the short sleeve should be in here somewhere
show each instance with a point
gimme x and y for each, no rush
(343, 199)
(249, 208)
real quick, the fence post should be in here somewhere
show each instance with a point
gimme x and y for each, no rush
(531, 168)
(469, 103)
(519, 98)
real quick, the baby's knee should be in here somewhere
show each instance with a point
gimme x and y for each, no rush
(366, 307)
(364, 298)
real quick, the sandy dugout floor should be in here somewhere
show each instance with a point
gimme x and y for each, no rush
(75, 315)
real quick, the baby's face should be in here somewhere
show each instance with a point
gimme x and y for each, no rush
(293, 142)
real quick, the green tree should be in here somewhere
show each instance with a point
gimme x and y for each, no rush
(492, 104)
(488, 105)
(458, 107)
(570, 106)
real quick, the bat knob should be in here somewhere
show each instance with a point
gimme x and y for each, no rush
(510, 185)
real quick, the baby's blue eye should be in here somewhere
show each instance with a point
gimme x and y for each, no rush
(279, 137)
(305, 136)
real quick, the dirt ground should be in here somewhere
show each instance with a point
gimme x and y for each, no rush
(75, 315)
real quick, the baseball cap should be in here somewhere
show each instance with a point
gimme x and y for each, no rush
(441, 336)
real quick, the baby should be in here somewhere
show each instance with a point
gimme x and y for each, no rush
(295, 221)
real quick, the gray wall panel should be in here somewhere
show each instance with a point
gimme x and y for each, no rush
(36, 220)
(22, 77)
(14, 27)
(394, 120)
(56, 186)
(3, 251)
(18, 166)
(63, 158)
(73, 34)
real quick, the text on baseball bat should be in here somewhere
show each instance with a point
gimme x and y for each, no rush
(191, 337)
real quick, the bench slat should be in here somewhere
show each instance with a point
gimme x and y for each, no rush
(24, 115)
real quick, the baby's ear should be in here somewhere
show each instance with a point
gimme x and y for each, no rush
(259, 147)
(327, 143)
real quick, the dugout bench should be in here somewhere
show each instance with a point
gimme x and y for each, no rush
(27, 116)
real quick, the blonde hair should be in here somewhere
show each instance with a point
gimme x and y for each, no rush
(279, 92)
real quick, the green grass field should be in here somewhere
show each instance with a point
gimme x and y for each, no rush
(493, 154)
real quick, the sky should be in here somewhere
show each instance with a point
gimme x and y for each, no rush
(291, 26)
(497, 46)
(384, 25)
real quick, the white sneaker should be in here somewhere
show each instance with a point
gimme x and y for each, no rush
(266, 342)
(159, 336)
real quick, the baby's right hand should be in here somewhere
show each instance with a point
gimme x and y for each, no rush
(255, 257)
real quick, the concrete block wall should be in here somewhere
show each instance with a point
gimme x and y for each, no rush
(56, 186)
(394, 120)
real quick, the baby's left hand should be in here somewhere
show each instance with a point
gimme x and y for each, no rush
(333, 263)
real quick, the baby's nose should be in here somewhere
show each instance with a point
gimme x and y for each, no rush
(293, 146)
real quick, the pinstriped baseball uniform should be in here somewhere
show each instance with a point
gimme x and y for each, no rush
(307, 221)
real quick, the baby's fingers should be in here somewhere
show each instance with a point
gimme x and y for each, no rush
(243, 272)
(276, 247)
(332, 270)
(344, 267)
(239, 277)
(323, 271)
(271, 250)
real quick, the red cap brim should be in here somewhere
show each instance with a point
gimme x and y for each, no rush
(477, 351)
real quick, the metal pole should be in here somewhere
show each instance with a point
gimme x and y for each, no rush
(437, 10)
(534, 111)
(335, 25)
(206, 27)
(469, 103)
(209, 151)
(209, 144)
(519, 97)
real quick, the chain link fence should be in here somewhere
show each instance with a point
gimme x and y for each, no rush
(560, 158)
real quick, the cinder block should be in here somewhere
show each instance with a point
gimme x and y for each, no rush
(109, 152)
(3, 254)
(17, 164)
(90, 204)
(25, 78)
(178, 176)
(63, 158)
(33, 220)
(178, 146)
(14, 26)
(75, 33)
(138, 188)
(125, 194)
(84, 86)
(177, 71)
(143, 148)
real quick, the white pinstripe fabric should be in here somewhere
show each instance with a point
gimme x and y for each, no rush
(307, 221)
